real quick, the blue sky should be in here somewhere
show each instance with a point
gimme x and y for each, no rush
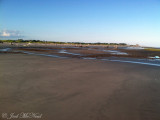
(129, 21)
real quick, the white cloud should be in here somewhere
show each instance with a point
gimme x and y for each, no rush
(5, 34)
(10, 33)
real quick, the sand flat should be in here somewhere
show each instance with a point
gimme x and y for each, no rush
(77, 89)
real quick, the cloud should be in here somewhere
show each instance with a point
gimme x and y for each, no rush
(4, 34)
(10, 34)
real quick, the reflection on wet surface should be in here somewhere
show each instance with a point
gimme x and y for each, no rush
(5, 49)
(59, 53)
(115, 52)
(64, 51)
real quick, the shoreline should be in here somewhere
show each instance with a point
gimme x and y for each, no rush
(94, 53)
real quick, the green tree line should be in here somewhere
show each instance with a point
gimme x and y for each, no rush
(55, 42)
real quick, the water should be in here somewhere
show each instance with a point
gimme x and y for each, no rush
(48, 55)
(134, 61)
(65, 52)
(134, 48)
(137, 61)
(5, 49)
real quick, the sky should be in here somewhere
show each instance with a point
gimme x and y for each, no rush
(109, 21)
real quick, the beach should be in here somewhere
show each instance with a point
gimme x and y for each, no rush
(78, 89)
(80, 60)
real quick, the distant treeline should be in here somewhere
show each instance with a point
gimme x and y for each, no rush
(43, 41)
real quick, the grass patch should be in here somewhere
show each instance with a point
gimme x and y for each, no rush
(152, 49)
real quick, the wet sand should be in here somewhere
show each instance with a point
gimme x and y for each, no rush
(77, 89)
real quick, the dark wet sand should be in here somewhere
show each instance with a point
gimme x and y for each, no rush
(76, 89)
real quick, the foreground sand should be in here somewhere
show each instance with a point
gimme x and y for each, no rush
(76, 89)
